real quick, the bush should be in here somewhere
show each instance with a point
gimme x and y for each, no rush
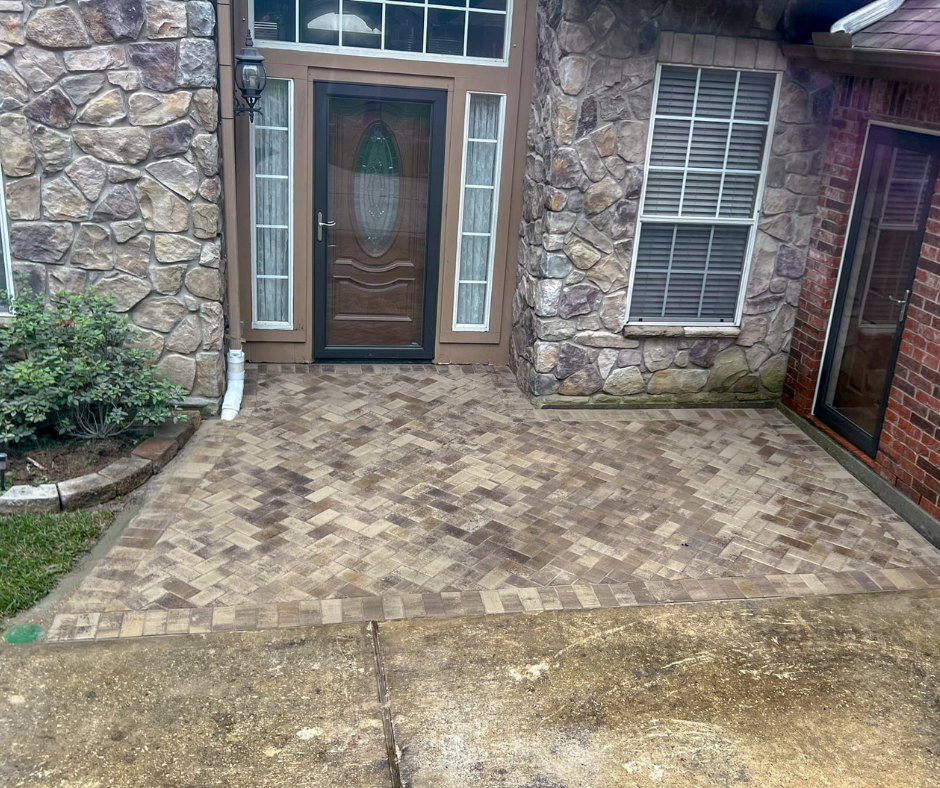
(71, 365)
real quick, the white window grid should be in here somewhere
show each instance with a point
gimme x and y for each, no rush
(494, 213)
(6, 267)
(697, 219)
(288, 324)
(381, 50)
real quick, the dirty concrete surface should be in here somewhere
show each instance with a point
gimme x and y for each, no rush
(824, 691)
(836, 691)
(254, 710)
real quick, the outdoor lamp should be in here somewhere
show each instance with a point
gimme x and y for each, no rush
(250, 78)
(3, 472)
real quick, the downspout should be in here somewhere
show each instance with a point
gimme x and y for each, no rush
(235, 381)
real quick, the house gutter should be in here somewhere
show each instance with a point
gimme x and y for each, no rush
(235, 368)
(838, 51)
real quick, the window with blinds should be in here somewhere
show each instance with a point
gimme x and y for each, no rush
(6, 274)
(700, 200)
(272, 206)
(478, 207)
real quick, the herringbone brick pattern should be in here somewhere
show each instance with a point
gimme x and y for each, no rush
(393, 481)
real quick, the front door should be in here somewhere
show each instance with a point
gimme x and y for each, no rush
(378, 180)
(888, 220)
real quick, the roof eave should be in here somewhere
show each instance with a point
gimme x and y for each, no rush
(828, 49)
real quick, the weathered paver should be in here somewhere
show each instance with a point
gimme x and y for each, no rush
(344, 493)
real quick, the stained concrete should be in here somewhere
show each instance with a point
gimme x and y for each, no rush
(824, 691)
(294, 708)
(837, 691)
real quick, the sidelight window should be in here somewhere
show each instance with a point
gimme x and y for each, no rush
(483, 144)
(272, 163)
(458, 29)
(700, 204)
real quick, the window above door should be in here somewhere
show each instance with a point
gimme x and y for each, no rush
(463, 31)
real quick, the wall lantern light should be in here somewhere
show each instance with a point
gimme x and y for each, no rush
(250, 78)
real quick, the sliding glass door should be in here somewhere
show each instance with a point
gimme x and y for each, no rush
(899, 170)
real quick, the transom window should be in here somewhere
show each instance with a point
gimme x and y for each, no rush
(699, 210)
(460, 29)
(6, 274)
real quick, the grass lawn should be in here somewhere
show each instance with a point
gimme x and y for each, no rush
(37, 549)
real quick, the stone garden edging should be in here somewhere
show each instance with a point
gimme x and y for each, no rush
(119, 478)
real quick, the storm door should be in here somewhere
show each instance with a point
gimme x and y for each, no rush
(378, 175)
(899, 170)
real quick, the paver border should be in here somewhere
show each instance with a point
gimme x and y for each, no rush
(68, 627)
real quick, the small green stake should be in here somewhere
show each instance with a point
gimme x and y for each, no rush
(22, 633)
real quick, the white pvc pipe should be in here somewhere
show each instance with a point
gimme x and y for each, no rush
(865, 16)
(235, 385)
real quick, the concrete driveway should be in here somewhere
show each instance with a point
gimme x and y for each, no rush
(825, 691)
(359, 493)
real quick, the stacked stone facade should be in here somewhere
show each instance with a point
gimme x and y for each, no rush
(909, 451)
(110, 160)
(589, 125)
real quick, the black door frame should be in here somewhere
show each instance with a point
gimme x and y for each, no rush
(900, 138)
(323, 92)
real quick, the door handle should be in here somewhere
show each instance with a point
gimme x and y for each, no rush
(902, 302)
(321, 224)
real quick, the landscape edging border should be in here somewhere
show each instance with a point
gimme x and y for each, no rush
(116, 479)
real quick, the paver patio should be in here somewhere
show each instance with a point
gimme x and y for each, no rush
(345, 493)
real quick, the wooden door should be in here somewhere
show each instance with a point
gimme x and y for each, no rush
(377, 214)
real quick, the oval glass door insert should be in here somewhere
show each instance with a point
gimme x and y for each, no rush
(376, 188)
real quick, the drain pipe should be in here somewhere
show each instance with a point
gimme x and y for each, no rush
(235, 386)
(235, 377)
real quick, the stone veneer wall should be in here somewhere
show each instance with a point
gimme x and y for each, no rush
(589, 124)
(110, 158)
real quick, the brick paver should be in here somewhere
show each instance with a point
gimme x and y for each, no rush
(344, 493)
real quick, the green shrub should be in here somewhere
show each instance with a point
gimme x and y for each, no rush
(71, 365)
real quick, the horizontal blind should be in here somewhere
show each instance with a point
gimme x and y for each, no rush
(707, 150)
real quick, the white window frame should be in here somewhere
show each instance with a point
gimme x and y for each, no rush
(494, 216)
(750, 222)
(6, 262)
(393, 53)
(287, 325)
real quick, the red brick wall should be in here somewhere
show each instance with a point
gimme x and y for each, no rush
(909, 452)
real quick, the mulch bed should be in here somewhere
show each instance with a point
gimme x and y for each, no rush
(54, 460)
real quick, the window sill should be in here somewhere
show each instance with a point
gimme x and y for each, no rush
(642, 330)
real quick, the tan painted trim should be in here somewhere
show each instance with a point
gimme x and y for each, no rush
(303, 189)
(230, 203)
(514, 80)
